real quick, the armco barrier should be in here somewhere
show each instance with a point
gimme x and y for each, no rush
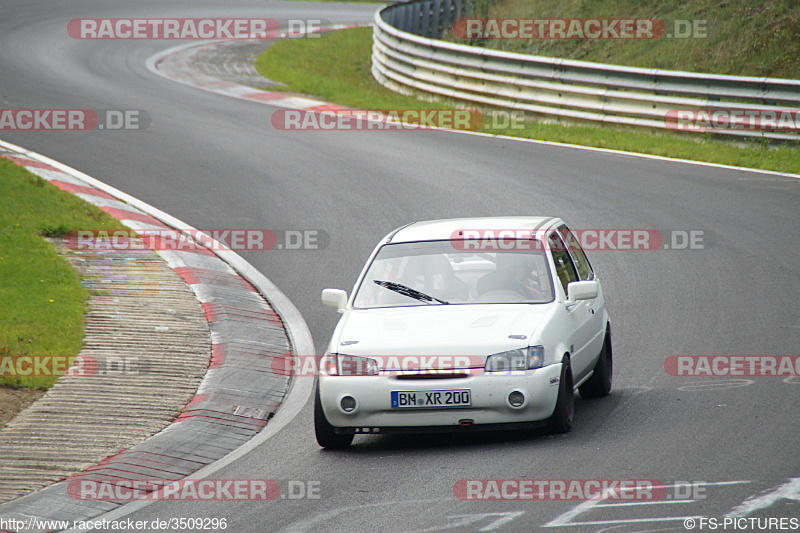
(408, 57)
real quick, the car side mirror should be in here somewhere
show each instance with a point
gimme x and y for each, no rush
(336, 298)
(581, 290)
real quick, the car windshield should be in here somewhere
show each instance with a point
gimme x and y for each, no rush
(437, 272)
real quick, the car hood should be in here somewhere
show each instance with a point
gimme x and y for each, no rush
(470, 330)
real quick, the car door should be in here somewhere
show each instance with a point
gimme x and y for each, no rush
(577, 316)
(586, 273)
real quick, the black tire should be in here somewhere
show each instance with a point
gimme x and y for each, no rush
(326, 436)
(600, 383)
(561, 420)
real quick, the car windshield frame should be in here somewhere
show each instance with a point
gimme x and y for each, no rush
(430, 266)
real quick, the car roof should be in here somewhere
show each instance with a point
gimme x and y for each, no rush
(444, 229)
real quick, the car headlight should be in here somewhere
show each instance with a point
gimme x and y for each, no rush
(520, 359)
(348, 365)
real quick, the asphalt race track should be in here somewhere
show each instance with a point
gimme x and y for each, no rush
(216, 162)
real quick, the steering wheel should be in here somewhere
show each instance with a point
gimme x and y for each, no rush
(501, 296)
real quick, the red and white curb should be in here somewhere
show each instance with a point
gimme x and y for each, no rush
(251, 323)
(176, 64)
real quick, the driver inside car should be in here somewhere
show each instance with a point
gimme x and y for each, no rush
(516, 274)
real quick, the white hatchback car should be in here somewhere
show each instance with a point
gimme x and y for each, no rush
(482, 323)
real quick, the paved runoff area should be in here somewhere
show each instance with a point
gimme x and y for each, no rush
(146, 348)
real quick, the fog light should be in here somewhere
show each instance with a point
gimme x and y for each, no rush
(348, 403)
(516, 398)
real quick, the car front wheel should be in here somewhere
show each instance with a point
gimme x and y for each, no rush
(326, 436)
(561, 421)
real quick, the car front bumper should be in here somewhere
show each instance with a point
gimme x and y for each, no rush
(489, 400)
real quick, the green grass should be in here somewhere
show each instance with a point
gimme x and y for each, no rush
(43, 301)
(744, 38)
(336, 68)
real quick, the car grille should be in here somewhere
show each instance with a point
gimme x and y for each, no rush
(437, 375)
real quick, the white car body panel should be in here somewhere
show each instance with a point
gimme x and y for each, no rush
(480, 329)
(489, 395)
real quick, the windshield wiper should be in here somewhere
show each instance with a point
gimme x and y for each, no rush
(408, 291)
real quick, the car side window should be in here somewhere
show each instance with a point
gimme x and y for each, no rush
(565, 269)
(578, 256)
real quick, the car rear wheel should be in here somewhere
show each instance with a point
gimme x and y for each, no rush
(326, 436)
(561, 421)
(600, 383)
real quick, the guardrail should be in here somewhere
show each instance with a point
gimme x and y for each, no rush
(407, 57)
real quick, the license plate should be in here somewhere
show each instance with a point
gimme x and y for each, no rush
(431, 398)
